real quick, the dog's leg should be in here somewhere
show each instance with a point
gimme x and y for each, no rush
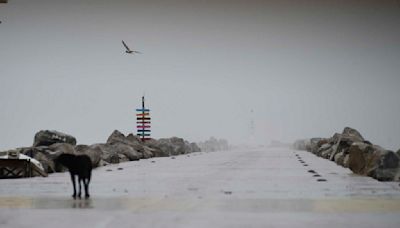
(73, 184)
(79, 181)
(86, 182)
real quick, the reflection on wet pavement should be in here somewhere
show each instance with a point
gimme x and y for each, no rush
(239, 205)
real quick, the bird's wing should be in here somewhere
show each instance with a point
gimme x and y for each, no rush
(126, 46)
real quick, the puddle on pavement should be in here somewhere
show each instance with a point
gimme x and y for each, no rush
(58, 203)
(131, 204)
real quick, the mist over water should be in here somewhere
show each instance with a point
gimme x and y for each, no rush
(305, 68)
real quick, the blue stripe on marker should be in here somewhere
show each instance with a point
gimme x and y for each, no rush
(142, 110)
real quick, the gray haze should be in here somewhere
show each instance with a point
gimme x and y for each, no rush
(306, 68)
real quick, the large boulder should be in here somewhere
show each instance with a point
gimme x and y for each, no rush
(48, 164)
(47, 138)
(361, 158)
(179, 145)
(130, 153)
(173, 146)
(156, 148)
(45, 156)
(194, 147)
(334, 139)
(353, 133)
(42, 154)
(343, 142)
(132, 141)
(387, 174)
(166, 147)
(325, 147)
(108, 153)
(328, 152)
(61, 148)
(148, 152)
(133, 138)
(374, 161)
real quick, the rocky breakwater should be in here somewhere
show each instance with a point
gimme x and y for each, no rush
(48, 145)
(349, 149)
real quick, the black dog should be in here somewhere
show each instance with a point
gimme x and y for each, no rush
(78, 165)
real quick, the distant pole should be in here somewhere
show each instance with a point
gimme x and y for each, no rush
(3, 1)
(143, 122)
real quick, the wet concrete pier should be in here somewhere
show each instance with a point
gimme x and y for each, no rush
(265, 187)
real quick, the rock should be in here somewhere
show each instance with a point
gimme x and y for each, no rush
(47, 163)
(179, 145)
(172, 146)
(339, 158)
(373, 161)
(327, 153)
(344, 141)
(47, 154)
(154, 147)
(166, 146)
(346, 160)
(322, 142)
(353, 133)
(108, 154)
(388, 160)
(342, 146)
(122, 158)
(360, 157)
(131, 140)
(386, 174)
(103, 163)
(334, 139)
(43, 155)
(323, 148)
(350, 149)
(47, 138)
(62, 148)
(147, 152)
(127, 151)
(313, 147)
(194, 147)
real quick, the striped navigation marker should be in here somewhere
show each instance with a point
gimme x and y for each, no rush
(143, 122)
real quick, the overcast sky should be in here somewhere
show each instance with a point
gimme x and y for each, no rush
(306, 68)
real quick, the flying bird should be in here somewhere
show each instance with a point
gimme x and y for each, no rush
(129, 51)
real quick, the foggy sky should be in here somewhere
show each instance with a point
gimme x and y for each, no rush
(306, 68)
